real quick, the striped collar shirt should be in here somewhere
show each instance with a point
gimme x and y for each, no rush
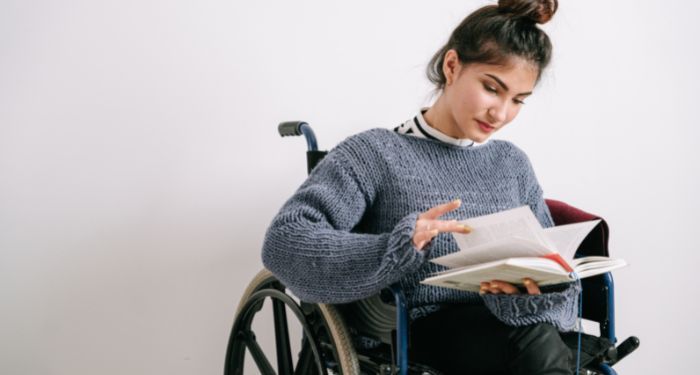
(418, 127)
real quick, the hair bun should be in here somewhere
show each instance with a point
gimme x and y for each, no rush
(539, 11)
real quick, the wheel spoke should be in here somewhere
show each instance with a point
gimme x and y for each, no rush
(310, 358)
(284, 354)
(306, 360)
(258, 356)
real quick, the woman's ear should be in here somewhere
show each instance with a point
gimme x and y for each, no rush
(451, 66)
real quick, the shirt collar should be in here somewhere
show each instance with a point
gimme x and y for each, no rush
(420, 128)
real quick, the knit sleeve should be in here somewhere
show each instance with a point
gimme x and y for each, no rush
(311, 248)
(557, 308)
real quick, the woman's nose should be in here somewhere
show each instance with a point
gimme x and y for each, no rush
(497, 113)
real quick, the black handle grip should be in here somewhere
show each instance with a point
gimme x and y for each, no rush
(290, 128)
(616, 354)
(627, 347)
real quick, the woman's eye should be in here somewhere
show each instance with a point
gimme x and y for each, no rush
(519, 101)
(490, 89)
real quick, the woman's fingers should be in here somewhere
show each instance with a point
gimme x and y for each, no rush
(484, 287)
(442, 226)
(487, 287)
(426, 228)
(498, 287)
(532, 287)
(504, 287)
(423, 237)
(440, 210)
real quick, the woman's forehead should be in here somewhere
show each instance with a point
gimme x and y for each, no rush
(512, 65)
(517, 72)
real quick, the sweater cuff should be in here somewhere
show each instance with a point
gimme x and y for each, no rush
(401, 251)
(557, 308)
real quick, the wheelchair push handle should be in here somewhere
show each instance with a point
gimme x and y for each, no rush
(296, 128)
(290, 128)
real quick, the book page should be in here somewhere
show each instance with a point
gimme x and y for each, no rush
(596, 265)
(498, 249)
(518, 222)
(567, 238)
(505, 234)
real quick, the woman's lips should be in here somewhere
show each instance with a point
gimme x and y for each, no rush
(486, 128)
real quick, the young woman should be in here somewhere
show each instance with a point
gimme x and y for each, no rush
(373, 212)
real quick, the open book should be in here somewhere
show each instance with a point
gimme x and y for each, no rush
(511, 245)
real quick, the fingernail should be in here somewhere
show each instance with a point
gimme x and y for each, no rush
(465, 229)
(493, 285)
(527, 281)
(457, 201)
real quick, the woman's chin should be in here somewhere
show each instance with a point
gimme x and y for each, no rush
(480, 138)
(477, 136)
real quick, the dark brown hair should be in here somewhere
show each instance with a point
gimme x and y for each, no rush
(495, 33)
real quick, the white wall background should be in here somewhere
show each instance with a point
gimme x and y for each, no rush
(140, 165)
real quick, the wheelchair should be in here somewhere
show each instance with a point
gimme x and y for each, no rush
(327, 331)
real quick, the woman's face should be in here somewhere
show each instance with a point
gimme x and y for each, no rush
(480, 99)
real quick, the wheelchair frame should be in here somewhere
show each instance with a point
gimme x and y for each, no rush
(324, 322)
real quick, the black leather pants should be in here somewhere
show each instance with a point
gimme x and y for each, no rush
(470, 340)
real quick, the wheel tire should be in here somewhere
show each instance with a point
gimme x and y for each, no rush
(344, 351)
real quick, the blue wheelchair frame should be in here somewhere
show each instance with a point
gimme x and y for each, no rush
(607, 329)
(607, 325)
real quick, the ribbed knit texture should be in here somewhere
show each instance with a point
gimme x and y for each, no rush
(347, 231)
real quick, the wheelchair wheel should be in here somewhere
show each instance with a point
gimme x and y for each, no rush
(325, 348)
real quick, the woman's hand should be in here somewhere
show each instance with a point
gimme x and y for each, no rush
(502, 287)
(428, 225)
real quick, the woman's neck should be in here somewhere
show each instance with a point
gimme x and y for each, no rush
(438, 117)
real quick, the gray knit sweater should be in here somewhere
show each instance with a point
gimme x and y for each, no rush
(347, 232)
